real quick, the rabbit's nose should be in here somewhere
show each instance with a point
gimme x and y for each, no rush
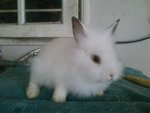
(111, 75)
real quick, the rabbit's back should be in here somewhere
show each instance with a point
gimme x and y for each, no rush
(56, 62)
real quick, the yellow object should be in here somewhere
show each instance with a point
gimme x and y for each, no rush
(138, 80)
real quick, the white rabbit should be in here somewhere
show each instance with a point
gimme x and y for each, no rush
(84, 65)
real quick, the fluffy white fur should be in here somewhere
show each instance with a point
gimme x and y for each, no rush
(66, 65)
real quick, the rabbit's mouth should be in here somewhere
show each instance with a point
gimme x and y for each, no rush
(108, 79)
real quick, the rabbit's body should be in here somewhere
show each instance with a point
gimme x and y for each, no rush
(83, 68)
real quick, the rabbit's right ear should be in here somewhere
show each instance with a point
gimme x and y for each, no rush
(79, 30)
(112, 28)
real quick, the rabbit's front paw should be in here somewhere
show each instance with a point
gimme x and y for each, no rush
(33, 91)
(100, 93)
(59, 95)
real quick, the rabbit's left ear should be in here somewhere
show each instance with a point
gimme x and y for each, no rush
(112, 28)
(79, 30)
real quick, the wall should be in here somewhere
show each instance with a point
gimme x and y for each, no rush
(134, 24)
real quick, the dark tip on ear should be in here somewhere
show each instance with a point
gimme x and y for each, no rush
(75, 23)
(114, 26)
(74, 19)
(117, 21)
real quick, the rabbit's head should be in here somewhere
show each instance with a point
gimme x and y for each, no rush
(100, 60)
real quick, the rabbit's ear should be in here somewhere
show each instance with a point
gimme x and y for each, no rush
(112, 28)
(79, 30)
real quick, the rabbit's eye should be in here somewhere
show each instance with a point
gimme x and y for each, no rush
(96, 59)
